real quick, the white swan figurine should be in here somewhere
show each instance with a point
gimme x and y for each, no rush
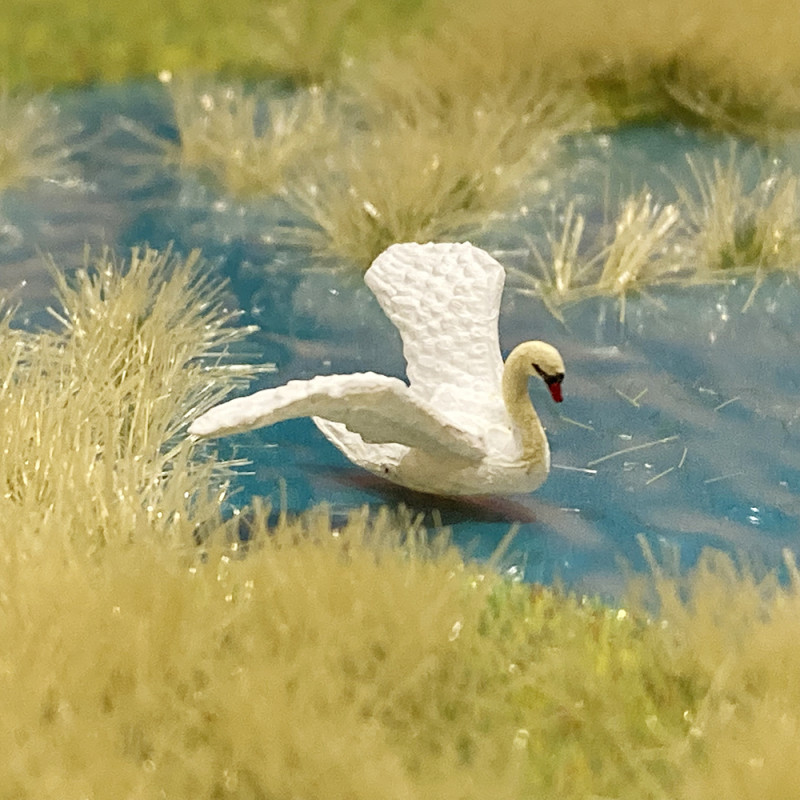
(464, 424)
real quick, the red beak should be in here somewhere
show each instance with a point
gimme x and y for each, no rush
(555, 391)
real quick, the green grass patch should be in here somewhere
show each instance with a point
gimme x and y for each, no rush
(729, 65)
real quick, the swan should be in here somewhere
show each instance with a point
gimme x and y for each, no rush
(464, 424)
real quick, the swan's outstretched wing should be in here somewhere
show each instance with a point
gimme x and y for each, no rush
(378, 408)
(445, 300)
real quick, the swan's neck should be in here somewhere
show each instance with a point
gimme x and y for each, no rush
(521, 410)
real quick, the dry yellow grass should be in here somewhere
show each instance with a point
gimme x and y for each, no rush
(641, 235)
(640, 251)
(449, 130)
(737, 222)
(91, 415)
(738, 632)
(419, 179)
(741, 217)
(367, 176)
(362, 661)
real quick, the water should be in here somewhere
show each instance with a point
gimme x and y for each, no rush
(680, 424)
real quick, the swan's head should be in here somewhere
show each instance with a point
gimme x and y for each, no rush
(542, 359)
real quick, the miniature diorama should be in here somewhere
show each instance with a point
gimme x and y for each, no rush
(399, 399)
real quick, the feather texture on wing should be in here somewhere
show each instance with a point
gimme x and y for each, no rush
(378, 408)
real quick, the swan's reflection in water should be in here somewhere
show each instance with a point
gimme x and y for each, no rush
(435, 510)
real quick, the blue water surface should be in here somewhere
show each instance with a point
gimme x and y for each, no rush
(679, 423)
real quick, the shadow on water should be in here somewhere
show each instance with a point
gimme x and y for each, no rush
(435, 510)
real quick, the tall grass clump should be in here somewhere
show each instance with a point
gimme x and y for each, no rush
(415, 180)
(640, 232)
(248, 142)
(738, 221)
(427, 158)
(32, 140)
(92, 413)
(639, 250)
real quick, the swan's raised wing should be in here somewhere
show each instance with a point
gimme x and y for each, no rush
(378, 408)
(445, 301)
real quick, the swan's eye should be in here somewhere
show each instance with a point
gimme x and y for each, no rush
(550, 380)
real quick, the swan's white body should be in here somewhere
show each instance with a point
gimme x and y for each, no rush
(463, 424)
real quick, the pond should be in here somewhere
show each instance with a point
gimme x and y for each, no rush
(679, 423)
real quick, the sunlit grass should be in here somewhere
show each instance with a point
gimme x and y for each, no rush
(736, 630)
(737, 216)
(639, 251)
(365, 175)
(432, 166)
(562, 270)
(367, 660)
(739, 225)
(92, 413)
(364, 178)
(637, 255)
(449, 131)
